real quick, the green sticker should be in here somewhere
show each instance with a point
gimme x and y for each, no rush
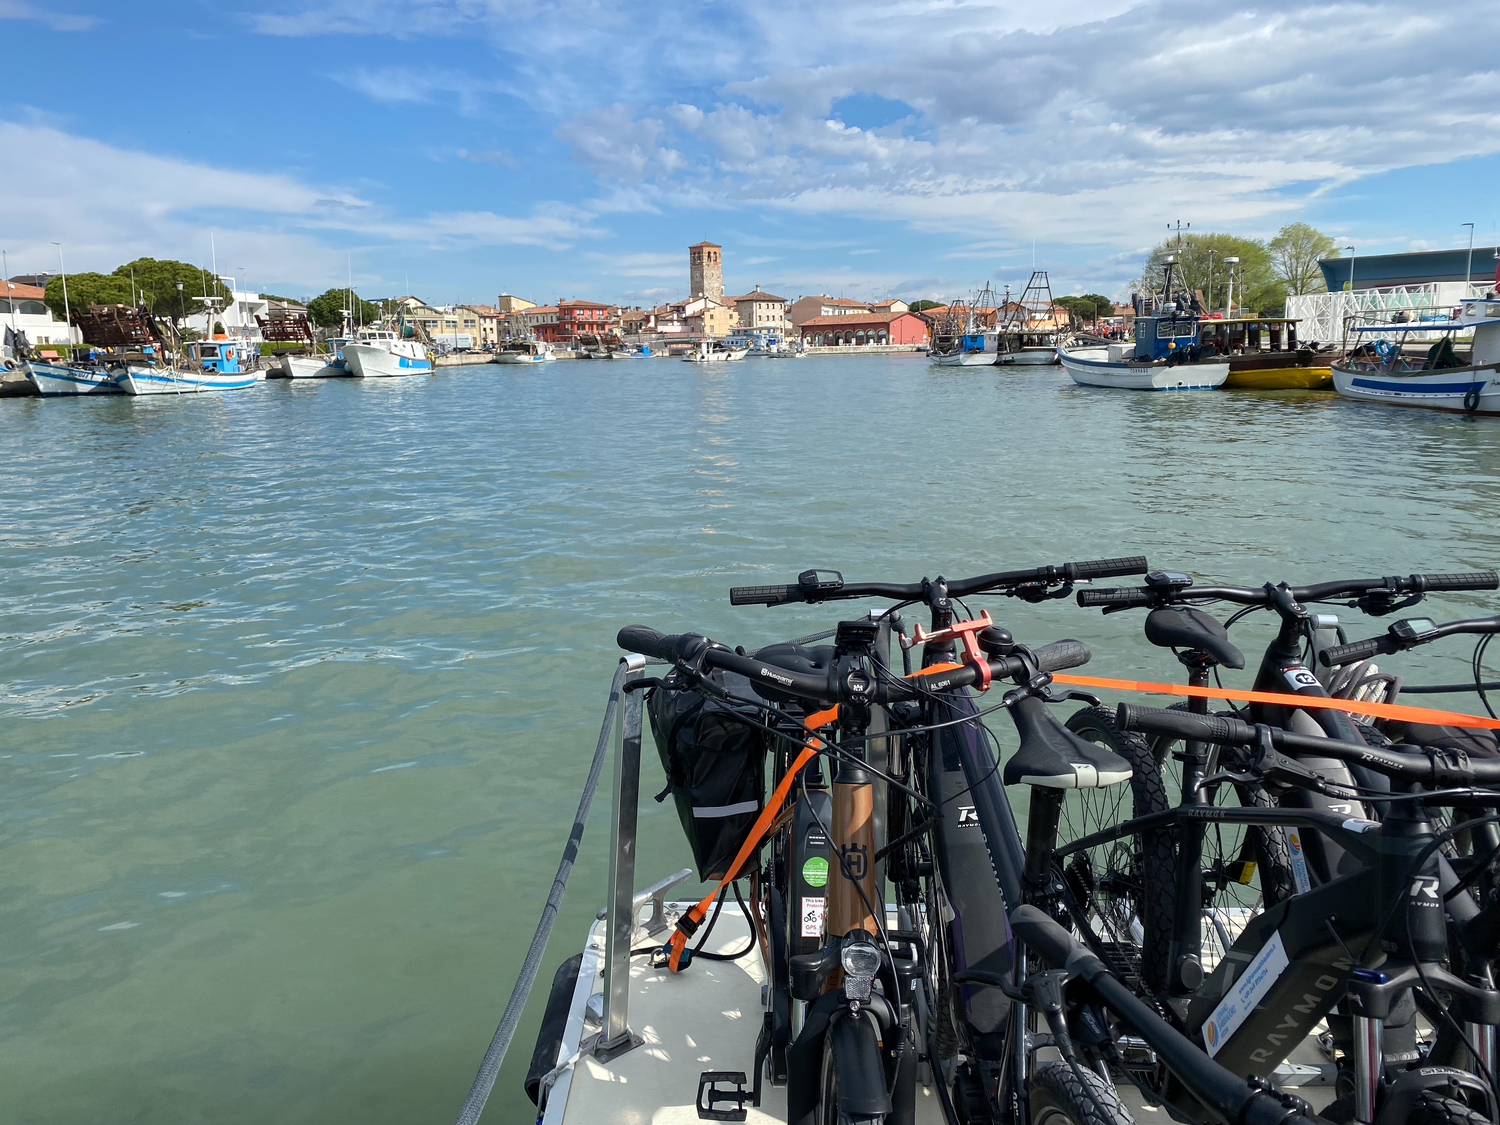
(815, 871)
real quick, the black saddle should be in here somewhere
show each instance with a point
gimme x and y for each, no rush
(1475, 742)
(798, 658)
(1054, 757)
(1181, 626)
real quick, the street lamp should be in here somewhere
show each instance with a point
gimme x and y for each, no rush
(181, 306)
(1229, 295)
(1468, 269)
(1351, 267)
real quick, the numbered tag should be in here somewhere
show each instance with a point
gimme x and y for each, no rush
(1299, 677)
(812, 917)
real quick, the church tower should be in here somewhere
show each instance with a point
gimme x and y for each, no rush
(705, 270)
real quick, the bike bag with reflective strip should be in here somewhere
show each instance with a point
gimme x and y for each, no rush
(714, 760)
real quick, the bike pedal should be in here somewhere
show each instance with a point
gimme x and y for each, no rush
(739, 1095)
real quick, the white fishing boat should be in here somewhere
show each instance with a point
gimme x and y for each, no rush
(314, 366)
(975, 358)
(522, 351)
(211, 365)
(712, 351)
(379, 353)
(1379, 370)
(53, 380)
(966, 336)
(1116, 366)
(1028, 334)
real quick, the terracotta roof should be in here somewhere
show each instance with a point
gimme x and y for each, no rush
(697, 245)
(485, 310)
(756, 296)
(853, 320)
(844, 301)
(576, 304)
(535, 309)
(30, 292)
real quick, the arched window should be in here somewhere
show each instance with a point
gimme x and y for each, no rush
(859, 337)
(880, 337)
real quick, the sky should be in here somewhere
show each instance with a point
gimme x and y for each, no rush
(458, 149)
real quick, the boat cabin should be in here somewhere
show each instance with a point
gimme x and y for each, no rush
(377, 336)
(217, 355)
(1157, 337)
(1249, 334)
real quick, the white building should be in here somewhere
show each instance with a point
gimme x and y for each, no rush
(24, 309)
(237, 315)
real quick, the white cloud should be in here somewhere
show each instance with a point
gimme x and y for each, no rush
(57, 21)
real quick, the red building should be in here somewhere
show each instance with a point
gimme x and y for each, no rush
(565, 321)
(862, 329)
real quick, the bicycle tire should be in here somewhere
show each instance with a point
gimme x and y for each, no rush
(828, 1111)
(1061, 1095)
(1430, 1108)
(1153, 860)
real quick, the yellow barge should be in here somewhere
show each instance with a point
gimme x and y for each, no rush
(1264, 354)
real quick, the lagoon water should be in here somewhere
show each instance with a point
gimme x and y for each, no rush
(299, 683)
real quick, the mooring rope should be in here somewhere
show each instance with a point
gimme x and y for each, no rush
(489, 1069)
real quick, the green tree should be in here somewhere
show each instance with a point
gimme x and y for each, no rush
(86, 289)
(1087, 307)
(327, 309)
(923, 306)
(156, 280)
(1295, 252)
(1200, 268)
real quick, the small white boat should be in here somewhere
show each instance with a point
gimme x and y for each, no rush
(53, 380)
(962, 359)
(1028, 355)
(329, 366)
(378, 353)
(639, 351)
(1381, 372)
(521, 351)
(712, 351)
(213, 365)
(1096, 367)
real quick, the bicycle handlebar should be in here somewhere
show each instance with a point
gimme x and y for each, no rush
(1335, 655)
(689, 647)
(781, 594)
(1434, 765)
(1126, 597)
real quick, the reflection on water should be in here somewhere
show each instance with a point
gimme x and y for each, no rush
(300, 681)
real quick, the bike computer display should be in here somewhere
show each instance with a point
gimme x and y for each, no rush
(1413, 628)
(820, 581)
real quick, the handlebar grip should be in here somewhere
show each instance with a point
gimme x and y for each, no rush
(1123, 597)
(1111, 568)
(1061, 654)
(1473, 580)
(1184, 724)
(1335, 655)
(764, 595)
(646, 641)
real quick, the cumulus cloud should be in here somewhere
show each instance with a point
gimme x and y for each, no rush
(57, 21)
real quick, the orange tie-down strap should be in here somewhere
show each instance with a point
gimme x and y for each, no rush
(694, 917)
(1353, 706)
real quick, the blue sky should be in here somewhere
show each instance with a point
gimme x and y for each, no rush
(461, 148)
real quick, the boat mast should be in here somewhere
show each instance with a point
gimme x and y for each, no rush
(67, 311)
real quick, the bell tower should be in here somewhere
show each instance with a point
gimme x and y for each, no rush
(706, 270)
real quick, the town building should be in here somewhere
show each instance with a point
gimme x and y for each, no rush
(863, 329)
(535, 320)
(24, 308)
(505, 303)
(711, 319)
(805, 308)
(582, 318)
(238, 314)
(706, 270)
(890, 305)
(487, 319)
(758, 311)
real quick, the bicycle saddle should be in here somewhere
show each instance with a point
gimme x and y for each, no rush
(1476, 743)
(798, 658)
(1054, 757)
(1181, 626)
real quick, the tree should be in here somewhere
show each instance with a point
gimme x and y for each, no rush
(156, 280)
(923, 306)
(1088, 307)
(1295, 252)
(1200, 268)
(327, 309)
(86, 289)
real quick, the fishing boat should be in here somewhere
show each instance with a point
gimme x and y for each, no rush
(965, 335)
(208, 365)
(634, 351)
(1379, 368)
(1264, 354)
(380, 353)
(1028, 333)
(713, 351)
(522, 351)
(330, 366)
(53, 380)
(1164, 356)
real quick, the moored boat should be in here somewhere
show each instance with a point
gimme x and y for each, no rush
(1380, 370)
(54, 380)
(713, 351)
(379, 353)
(328, 366)
(1165, 356)
(1028, 334)
(211, 365)
(1264, 354)
(521, 351)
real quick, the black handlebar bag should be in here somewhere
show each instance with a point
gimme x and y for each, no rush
(715, 762)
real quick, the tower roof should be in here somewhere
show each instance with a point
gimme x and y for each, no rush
(701, 245)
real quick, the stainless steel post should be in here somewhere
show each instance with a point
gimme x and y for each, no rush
(615, 1038)
(1482, 1035)
(1368, 1066)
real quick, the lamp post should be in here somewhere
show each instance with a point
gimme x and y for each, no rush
(1230, 262)
(1351, 267)
(181, 307)
(68, 312)
(1468, 269)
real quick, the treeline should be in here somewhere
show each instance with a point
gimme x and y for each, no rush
(146, 280)
(1267, 273)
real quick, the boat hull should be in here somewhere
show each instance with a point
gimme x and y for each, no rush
(367, 362)
(1090, 367)
(514, 357)
(54, 380)
(963, 359)
(1280, 379)
(312, 367)
(1464, 390)
(142, 379)
(1028, 357)
(717, 357)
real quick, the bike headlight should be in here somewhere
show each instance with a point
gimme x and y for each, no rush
(861, 961)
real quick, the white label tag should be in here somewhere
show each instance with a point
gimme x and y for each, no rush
(1245, 994)
(812, 916)
(1299, 677)
(1299, 860)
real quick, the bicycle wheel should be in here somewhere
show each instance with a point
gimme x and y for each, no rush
(829, 1111)
(1126, 887)
(1061, 1095)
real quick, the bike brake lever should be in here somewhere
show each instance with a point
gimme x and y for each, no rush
(1048, 695)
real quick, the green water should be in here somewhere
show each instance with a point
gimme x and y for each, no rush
(300, 682)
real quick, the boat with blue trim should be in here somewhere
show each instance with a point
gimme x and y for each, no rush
(1380, 369)
(53, 380)
(211, 365)
(380, 353)
(1166, 355)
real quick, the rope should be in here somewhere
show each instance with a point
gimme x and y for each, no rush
(489, 1069)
